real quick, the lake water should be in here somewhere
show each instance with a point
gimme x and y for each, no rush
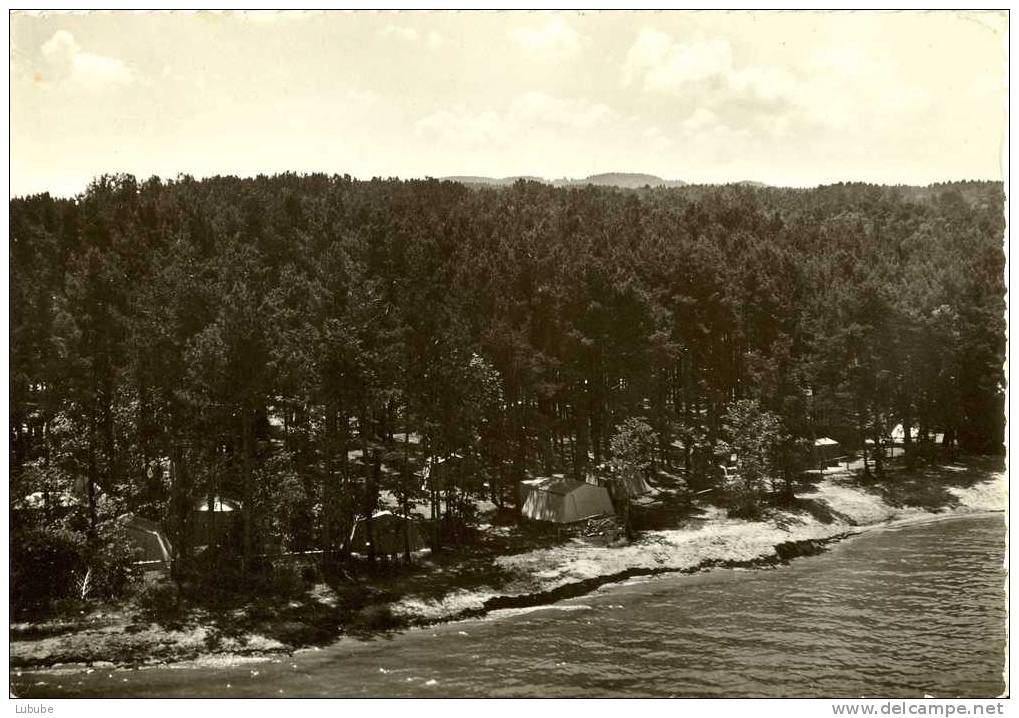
(897, 612)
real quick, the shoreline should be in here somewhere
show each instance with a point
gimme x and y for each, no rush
(540, 577)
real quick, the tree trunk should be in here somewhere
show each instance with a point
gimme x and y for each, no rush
(247, 449)
(907, 442)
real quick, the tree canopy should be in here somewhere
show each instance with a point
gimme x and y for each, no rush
(316, 345)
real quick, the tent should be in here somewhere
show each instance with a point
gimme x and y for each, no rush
(435, 466)
(561, 501)
(899, 434)
(150, 539)
(214, 526)
(826, 450)
(631, 486)
(634, 486)
(387, 534)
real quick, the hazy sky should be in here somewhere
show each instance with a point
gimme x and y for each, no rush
(795, 98)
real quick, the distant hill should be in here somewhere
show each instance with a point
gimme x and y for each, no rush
(631, 180)
(628, 180)
(495, 181)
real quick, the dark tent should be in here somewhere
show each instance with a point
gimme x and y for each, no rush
(150, 540)
(387, 534)
(562, 501)
(217, 524)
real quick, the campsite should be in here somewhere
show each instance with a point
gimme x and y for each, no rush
(402, 455)
(338, 337)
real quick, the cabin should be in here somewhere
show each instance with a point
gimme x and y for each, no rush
(563, 501)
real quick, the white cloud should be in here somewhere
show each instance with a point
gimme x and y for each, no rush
(526, 113)
(463, 126)
(845, 60)
(657, 140)
(839, 88)
(270, 17)
(555, 39)
(764, 84)
(66, 62)
(539, 108)
(666, 66)
(660, 64)
(701, 118)
(767, 99)
(412, 35)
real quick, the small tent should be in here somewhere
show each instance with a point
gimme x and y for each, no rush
(149, 539)
(630, 486)
(899, 434)
(562, 501)
(826, 449)
(387, 534)
(435, 467)
(633, 486)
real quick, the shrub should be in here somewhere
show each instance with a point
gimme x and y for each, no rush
(55, 562)
(111, 561)
(160, 599)
(44, 561)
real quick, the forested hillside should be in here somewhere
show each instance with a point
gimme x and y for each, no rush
(279, 340)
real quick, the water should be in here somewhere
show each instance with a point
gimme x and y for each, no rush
(904, 612)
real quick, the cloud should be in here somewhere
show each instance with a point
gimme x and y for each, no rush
(539, 108)
(526, 113)
(461, 125)
(704, 67)
(271, 17)
(430, 39)
(839, 88)
(666, 66)
(725, 95)
(67, 63)
(657, 140)
(701, 118)
(554, 39)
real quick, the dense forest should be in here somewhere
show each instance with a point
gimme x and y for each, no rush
(305, 345)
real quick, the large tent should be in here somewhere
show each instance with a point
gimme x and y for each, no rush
(561, 501)
(387, 534)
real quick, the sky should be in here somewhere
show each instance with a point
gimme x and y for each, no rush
(787, 98)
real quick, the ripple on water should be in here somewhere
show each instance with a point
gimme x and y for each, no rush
(905, 612)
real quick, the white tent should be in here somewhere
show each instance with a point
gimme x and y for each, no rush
(826, 449)
(899, 434)
(561, 501)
